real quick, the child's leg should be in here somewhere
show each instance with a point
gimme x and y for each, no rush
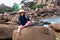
(19, 28)
(28, 23)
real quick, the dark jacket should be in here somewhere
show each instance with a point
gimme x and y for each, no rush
(23, 20)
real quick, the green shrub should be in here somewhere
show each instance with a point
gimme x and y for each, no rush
(41, 5)
(33, 6)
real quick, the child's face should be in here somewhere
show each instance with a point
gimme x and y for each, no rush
(22, 13)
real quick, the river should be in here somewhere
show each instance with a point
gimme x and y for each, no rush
(51, 20)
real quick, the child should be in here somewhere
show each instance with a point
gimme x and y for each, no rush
(23, 20)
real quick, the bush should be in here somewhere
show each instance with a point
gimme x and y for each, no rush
(41, 5)
(33, 5)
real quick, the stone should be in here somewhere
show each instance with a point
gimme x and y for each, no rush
(15, 18)
(6, 30)
(34, 33)
(55, 26)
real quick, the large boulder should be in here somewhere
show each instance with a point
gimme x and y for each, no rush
(8, 17)
(6, 30)
(1, 16)
(34, 33)
(15, 18)
(55, 26)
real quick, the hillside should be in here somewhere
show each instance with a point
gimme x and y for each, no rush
(4, 8)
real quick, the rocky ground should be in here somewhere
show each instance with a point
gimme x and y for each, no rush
(10, 20)
(15, 27)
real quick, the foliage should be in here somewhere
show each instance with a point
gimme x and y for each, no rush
(33, 5)
(6, 9)
(41, 5)
(15, 7)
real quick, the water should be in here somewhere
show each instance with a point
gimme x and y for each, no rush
(52, 20)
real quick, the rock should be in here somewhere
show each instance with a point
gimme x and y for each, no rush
(15, 18)
(53, 16)
(6, 31)
(55, 26)
(8, 17)
(34, 33)
(10, 22)
(1, 16)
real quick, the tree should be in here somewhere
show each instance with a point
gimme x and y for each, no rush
(32, 5)
(23, 2)
(15, 7)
